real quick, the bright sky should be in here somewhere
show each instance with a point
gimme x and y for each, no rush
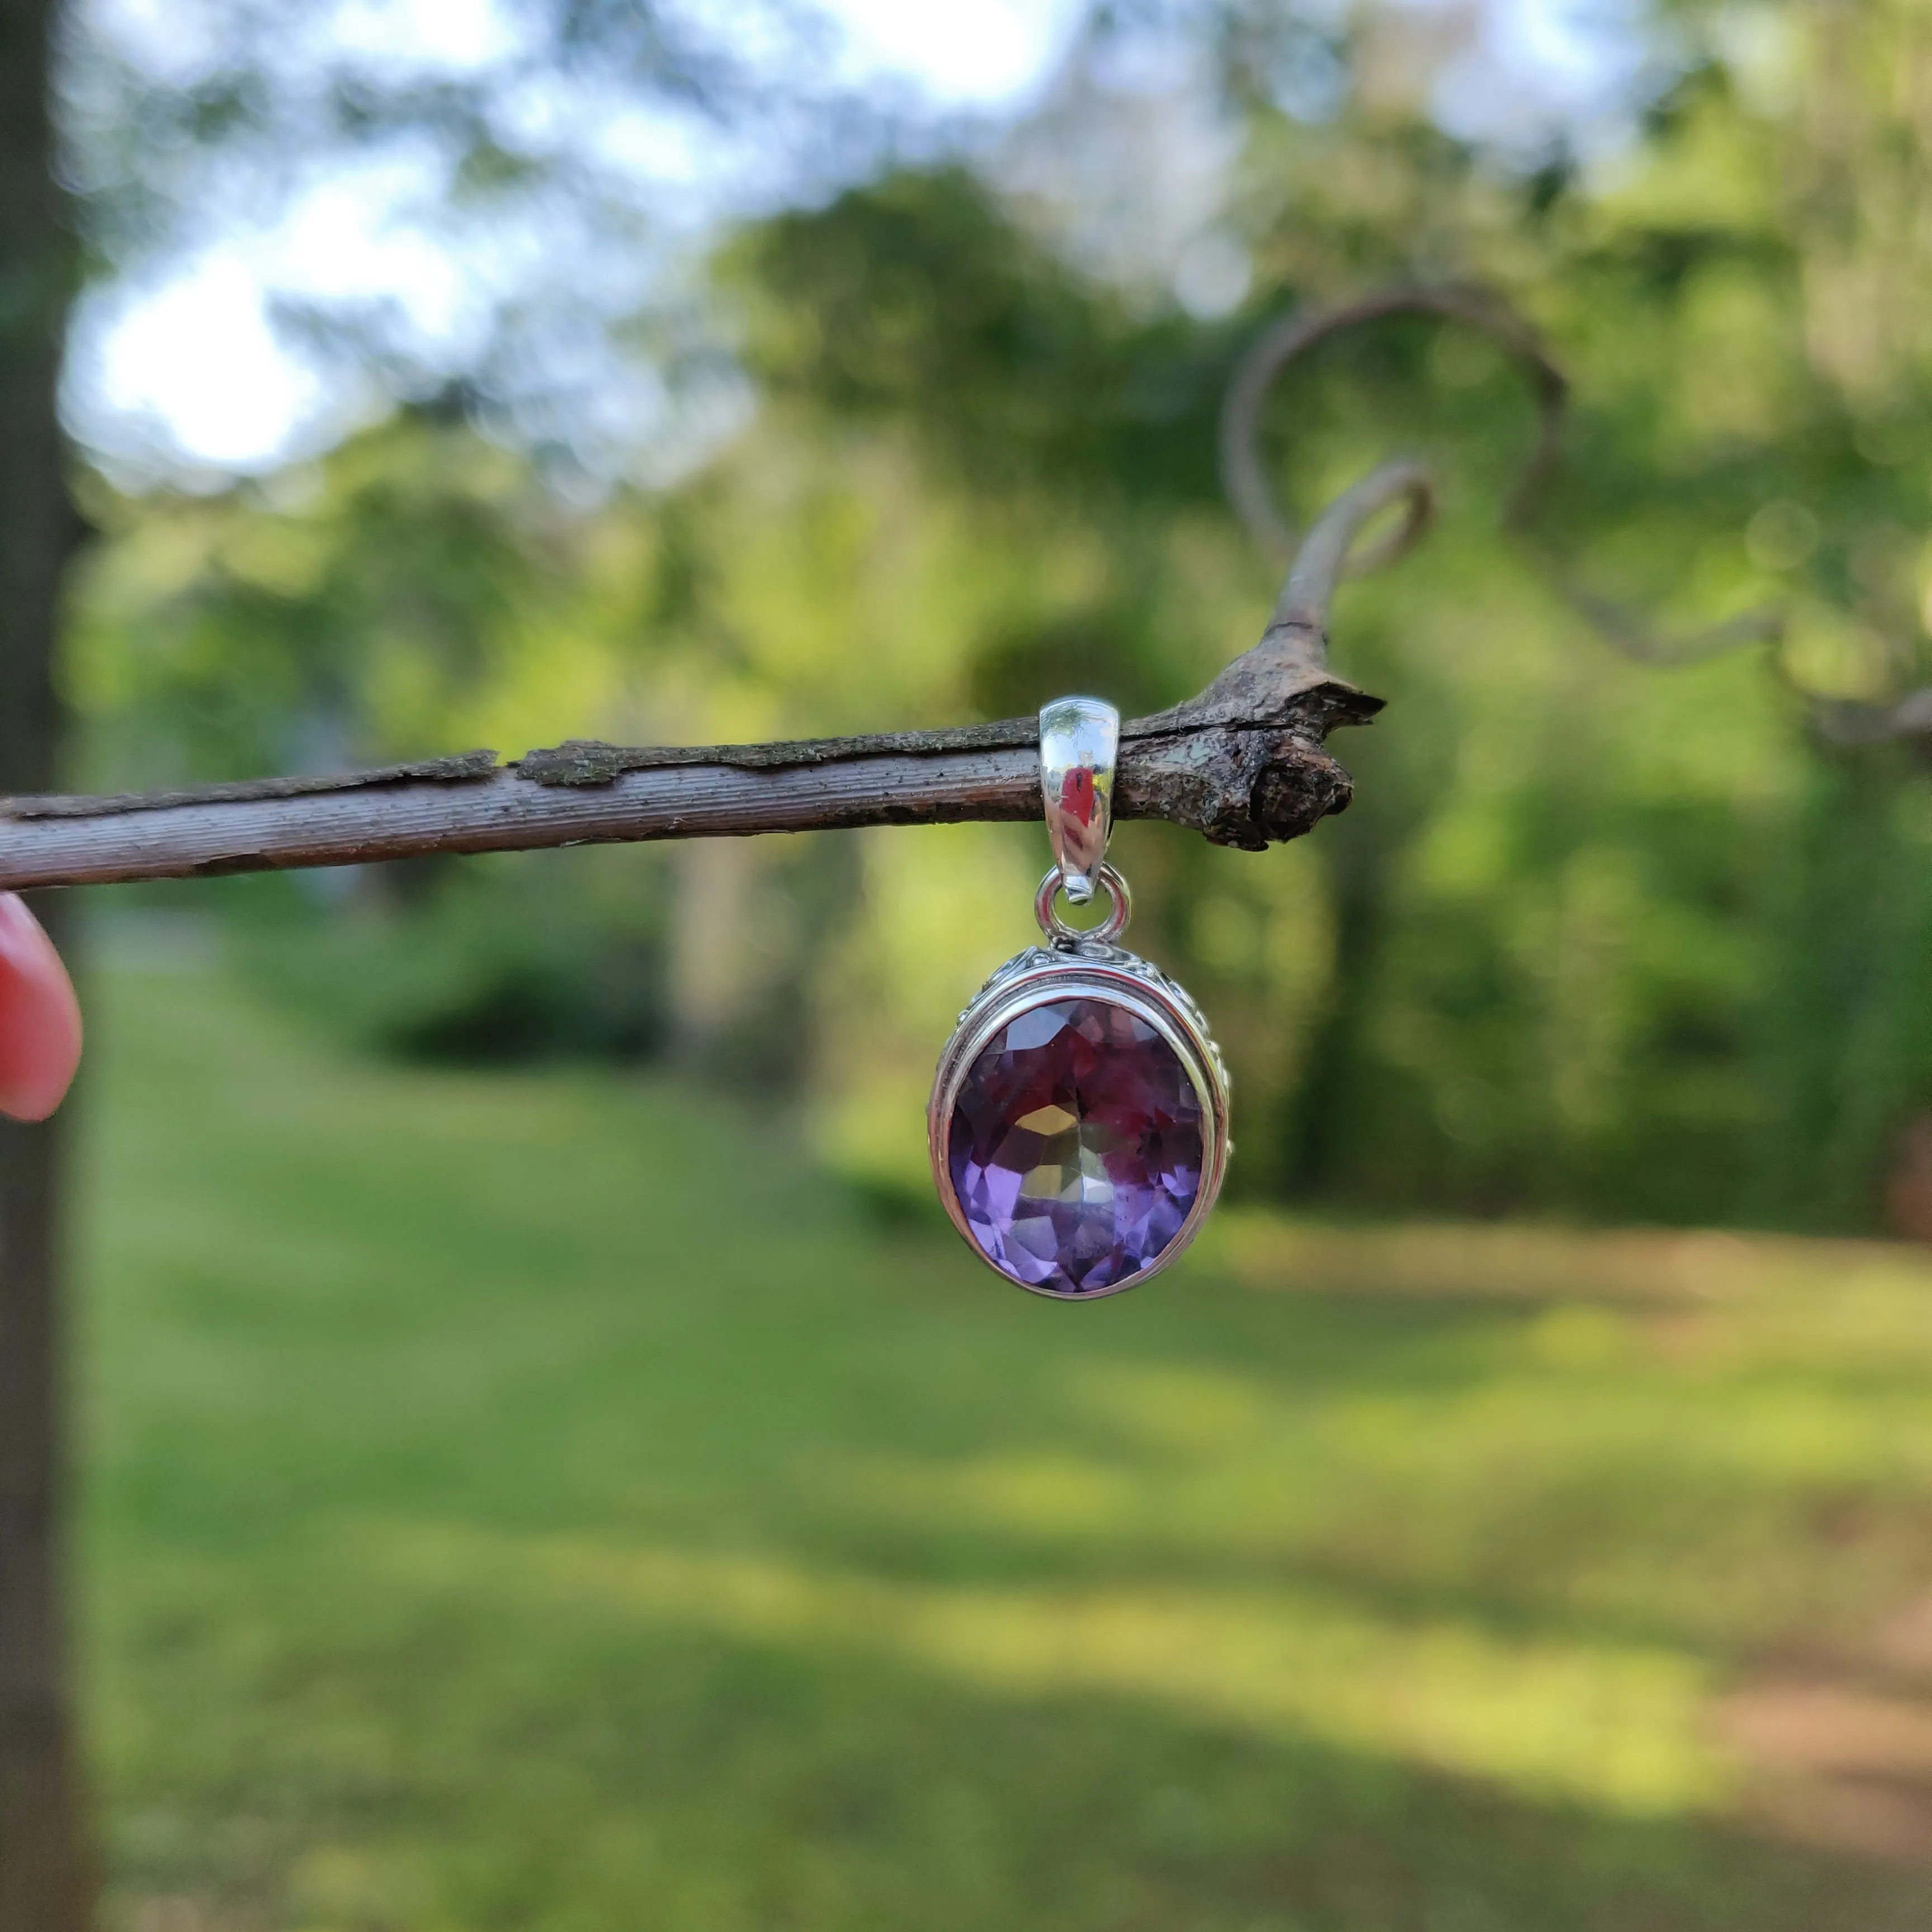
(978, 52)
(191, 366)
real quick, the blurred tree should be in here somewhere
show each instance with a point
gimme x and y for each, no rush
(352, 610)
(238, 98)
(1601, 936)
(44, 1880)
(517, 145)
(918, 298)
(1626, 940)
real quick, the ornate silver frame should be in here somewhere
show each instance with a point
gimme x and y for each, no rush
(1092, 969)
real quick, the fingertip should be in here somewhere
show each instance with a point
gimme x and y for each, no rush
(41, 1030)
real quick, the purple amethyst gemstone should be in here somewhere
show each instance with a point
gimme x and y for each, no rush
(1075, 1147)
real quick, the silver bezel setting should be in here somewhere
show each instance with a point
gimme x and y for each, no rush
(1109, 974)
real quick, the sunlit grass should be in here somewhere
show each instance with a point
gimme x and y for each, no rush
(1613, 1725)
(540, 1501)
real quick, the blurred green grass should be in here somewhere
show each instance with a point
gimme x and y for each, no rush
(540, 1500)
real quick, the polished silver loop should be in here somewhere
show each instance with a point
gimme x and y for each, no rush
(1079, 743)
(1067, 937)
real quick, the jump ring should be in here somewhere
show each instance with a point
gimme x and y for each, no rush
(1067, 937)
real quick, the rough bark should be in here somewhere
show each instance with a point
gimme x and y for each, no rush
(1243, 763)
(44, 1877)
(1239, 786)
(45, 1881)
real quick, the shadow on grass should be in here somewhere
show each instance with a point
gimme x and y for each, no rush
(540, 1502)
(680, 1781)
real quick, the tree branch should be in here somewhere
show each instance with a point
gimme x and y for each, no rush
(1243, 763)
(1244, 475)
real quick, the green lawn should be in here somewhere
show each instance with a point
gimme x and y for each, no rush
(537, 1501)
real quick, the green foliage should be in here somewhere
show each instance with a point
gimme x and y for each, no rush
(918, 300)
(348, 613)
(1607, 939)
(509, 959)
(1598, 937)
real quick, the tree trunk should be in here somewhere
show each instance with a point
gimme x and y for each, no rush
(44, 1880)
(45, 1877)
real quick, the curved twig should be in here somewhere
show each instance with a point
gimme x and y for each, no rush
(1327, 552)
(1856, 724)
(1292, 656)
(1244, 476)
(1849, 723)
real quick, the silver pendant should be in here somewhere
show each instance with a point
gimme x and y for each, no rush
(1078, 1124)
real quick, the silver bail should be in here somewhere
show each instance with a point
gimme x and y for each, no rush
(1079, 740)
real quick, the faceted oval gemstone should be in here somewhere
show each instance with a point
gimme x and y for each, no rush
(1075, 1147)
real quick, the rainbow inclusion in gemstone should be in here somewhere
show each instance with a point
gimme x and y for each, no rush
(1075, 1147)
